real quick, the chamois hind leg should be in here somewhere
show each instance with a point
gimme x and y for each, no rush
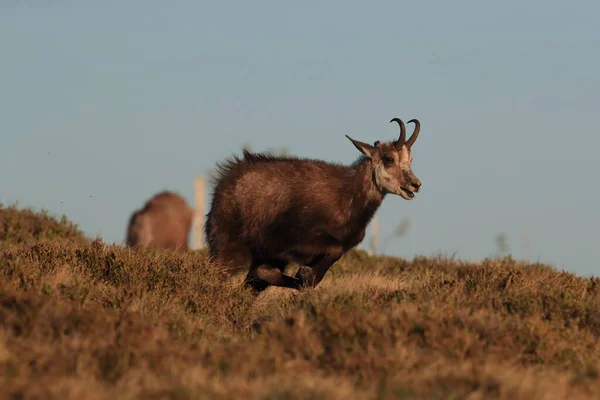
(234, 261)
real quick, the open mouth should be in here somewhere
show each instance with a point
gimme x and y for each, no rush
(407, 192)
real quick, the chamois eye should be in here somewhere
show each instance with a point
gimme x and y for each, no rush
(387, 160)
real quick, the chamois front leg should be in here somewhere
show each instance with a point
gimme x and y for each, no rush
(275, 277)
(265, 275)
(312, 275)
(254, 283)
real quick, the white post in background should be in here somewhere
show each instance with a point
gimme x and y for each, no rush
(527, 246)
(374, 236)
(199, 213)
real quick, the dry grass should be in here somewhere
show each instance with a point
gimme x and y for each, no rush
(80, 319)
(26, 226)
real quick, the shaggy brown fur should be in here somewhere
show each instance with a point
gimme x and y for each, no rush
(268, 211)
(163, 222)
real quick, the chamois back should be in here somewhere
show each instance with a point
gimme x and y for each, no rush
(164, 222)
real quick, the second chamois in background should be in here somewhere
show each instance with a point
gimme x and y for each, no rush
(164, 222)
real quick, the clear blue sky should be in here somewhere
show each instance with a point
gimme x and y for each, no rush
(103, 105)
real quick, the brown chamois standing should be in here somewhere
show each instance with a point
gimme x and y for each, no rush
(268, 211)
(164, 222)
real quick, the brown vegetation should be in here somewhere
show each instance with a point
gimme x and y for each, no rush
(164, 223)
(87, 320)
(268, 211)
(27, 226)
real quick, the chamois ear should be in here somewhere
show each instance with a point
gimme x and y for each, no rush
(364, 148)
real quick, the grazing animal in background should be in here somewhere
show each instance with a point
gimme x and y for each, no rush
(268, 211)
(164, 222)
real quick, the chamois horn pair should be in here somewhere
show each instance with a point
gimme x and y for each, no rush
(402, 139)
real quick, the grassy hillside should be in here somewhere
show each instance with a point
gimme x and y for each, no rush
(26, 226)
(80, 319)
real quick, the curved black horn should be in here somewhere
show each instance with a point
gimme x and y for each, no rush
(398, 143)
(413, 137)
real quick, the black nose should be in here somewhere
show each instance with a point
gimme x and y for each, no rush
(417, 185)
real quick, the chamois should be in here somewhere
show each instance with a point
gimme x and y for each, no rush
(164, 222)
(269, 211)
